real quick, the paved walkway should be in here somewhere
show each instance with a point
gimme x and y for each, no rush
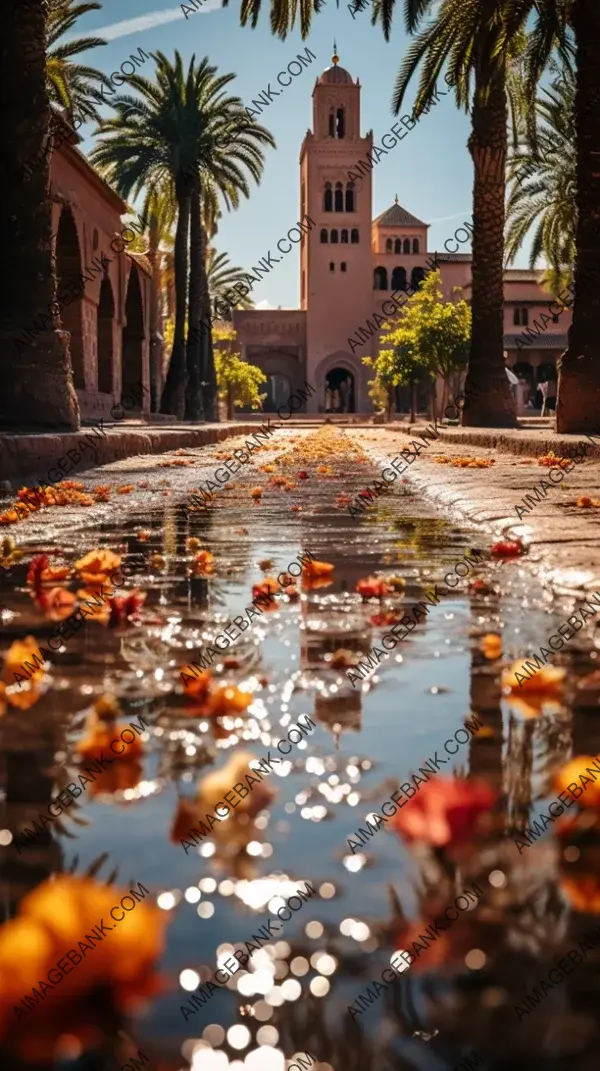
(563, 537)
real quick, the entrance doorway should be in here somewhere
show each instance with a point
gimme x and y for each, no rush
(339, 391)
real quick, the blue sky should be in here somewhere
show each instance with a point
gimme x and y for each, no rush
(430, 170)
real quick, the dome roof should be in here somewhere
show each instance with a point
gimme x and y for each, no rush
(335, 76)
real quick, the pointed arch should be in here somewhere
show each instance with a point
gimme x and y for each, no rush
(344, 236)
(340, 122)
(69, 267)
(328, 198)
(397, 246)
(380, 279)
(354, 238)
(416, 277)
(349, 197)
(105, 338)
(133, 334)
(334, 236)
(324, 236)
(406, 245)
(416, 245)
(331, 125)
(339, 197)
(399, 278)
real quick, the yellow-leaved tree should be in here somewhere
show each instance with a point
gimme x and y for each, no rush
(238, 383)
(429, 338)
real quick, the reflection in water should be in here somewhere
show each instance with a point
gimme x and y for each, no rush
(292, 995)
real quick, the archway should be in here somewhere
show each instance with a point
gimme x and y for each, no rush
(104, 338)
(133, 335)
(69, 269)
(340, 391)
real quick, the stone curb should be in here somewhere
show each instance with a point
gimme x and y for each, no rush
(531, 444)
(23, 456)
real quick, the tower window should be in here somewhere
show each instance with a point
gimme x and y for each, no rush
(331, 266)
(354, 236)
(324, 236)
(524, 317)
(339, 197)
(340, 120)
(344, 237)
(331, 125)
(517, 317)
(406, 245)
(415, 245)
(388, 245)
(328, 198)
(349, 197)
(343, 265)
(397, 246)
(334, 236)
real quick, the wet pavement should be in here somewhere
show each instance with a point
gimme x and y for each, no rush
(465, 991)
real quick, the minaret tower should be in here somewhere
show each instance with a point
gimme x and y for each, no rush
(336, 260)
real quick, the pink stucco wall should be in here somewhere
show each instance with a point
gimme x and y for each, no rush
(83, 201)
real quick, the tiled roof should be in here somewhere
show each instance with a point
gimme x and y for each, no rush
(397, 216)
(545, 341)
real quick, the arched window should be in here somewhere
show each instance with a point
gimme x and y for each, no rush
(328, 198)
(349, 197)
(517, 317)
(339, 197)
(340, 123)
(343, 265)
(380, 280)
(344, 237)
(416, 277)
(397, 246)
(324, 236)
(388, 245)
(399, 279)
(524, 317)
(334, 236)
(331, 266)
(406, 248)
(331, 125)
(415, 245)
(354, 236)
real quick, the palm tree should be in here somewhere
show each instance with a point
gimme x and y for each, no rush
(181, 129)
(222, 276)
(578, 401)
(542, 171)
(37, 380)
(72, 85)
(477, 40)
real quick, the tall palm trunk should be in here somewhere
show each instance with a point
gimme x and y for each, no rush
(35, 363)
(209, 372)
(173, 397)
(488, 401)
(193, 394)
(155, 334)
(578, 401)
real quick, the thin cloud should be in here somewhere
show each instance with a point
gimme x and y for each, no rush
(145, 22)
(444, 219)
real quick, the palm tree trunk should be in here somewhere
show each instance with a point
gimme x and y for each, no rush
(35, 362)
(155, 333)
(207, 361)
(578, 401)
(173, 397)
(488, 401)
(193, 394)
